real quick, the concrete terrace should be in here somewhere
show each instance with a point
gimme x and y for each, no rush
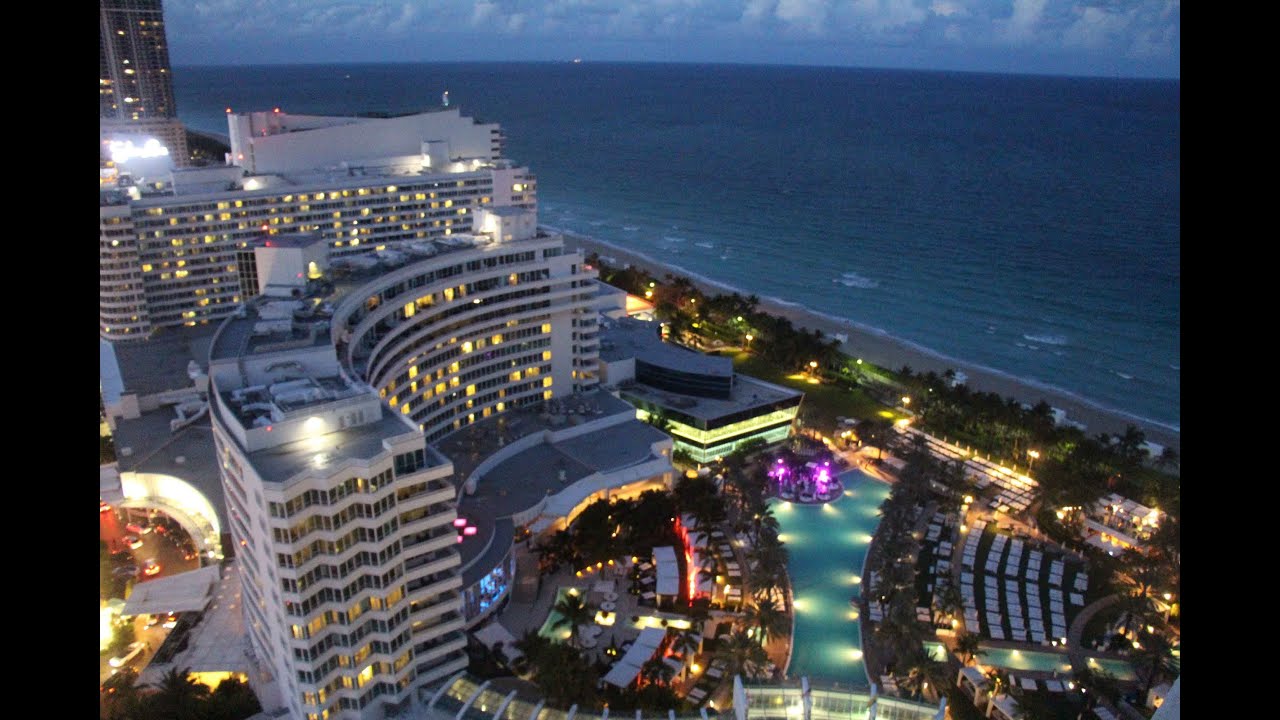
(521, 481)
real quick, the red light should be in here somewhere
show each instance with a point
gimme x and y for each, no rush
(268, 243)
(269, 428)
(299, 274)
(459, 538)
(469, 530)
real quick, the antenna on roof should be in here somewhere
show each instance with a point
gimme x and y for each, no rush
(444, 99)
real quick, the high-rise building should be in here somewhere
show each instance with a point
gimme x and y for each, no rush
(171, 256)
(325, 391)
(135, 86)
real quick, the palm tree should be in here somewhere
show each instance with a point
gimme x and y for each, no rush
(742, 655)
(655, 670)
(574, 611)
(950, 601)
(122, 699)
(233, 699)
(924, 678)
(1153, 658)
(768, 620)
(685, 645)
(179, 696)
(999, 678)
(969, 645)
(764, 522)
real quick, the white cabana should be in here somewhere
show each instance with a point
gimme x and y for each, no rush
(625, 670)
(668, 571)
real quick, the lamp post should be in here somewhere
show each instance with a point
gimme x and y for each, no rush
(1033, 455)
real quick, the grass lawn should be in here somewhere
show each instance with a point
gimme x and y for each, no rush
(823, 402)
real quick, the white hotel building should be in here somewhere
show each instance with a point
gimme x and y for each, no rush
(171, 244)
(325, 391)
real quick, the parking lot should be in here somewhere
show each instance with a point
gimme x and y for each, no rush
(133, 542)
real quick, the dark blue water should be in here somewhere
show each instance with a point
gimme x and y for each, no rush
(1027, 224)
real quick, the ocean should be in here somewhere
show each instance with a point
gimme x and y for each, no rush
(1026, 224)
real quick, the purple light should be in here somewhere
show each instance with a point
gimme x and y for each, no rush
(471, 530)
(460, 522)
(459, 538)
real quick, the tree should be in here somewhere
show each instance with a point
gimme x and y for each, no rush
(742, 655)
(574, 611)
(179, 696)
(1153, 658)
(968, 645)
(122, 699)
(768, 620)
(233, 699)
(656, 670)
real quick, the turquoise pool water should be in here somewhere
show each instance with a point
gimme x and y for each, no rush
(548, 630)
(827, 545)
(1050, 662)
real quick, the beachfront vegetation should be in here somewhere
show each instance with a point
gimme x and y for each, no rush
(1072, 470)
(177, 696)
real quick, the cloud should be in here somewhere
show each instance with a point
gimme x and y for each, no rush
(1023, 25)
(948, 8)
(788, 30)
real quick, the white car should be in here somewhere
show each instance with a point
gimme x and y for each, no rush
(132, 653)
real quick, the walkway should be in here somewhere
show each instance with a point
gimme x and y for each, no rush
(1075, 634)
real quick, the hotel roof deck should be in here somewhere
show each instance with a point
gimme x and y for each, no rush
(521, 481)
(748, 393)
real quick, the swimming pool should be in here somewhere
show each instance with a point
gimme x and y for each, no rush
(1037, 661)
(548, 629)
(826, 545)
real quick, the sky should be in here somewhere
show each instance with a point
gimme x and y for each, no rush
(1114, 38)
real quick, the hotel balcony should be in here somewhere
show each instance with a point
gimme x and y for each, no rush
(425, 611)
(450, 642)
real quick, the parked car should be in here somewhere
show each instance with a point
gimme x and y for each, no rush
(126, 571)
(150, 567)
(130, 654)
(132, 541)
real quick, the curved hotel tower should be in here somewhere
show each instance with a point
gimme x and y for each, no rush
(326, 389)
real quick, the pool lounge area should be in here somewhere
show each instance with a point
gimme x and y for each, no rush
(1049, 662)
(827, 545)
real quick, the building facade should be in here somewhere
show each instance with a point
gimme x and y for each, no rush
(708, 408)
(169, 258)
(135, 86)
(326, 388)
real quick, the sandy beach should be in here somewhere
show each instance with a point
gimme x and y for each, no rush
(891, 353)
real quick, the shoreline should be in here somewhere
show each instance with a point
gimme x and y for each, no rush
(892, 353)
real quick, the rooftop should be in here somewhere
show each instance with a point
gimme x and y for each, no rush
(264, 325)
(160, 363)
(627, 338)
(521, 481)
(282, 462)
(187, 454)
(217, 641)
(747, 393)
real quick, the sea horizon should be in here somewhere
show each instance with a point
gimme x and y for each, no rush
(1024, 224)
(584, 61)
